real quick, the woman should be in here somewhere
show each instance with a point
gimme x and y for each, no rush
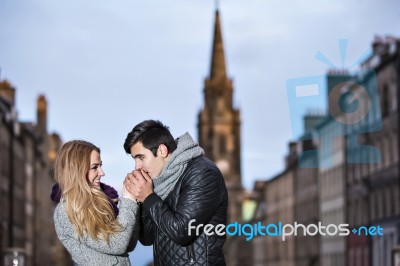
(85, 219)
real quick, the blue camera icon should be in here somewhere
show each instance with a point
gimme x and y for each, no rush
(352, 110)
(303, 94)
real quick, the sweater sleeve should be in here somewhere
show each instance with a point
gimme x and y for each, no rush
(135, 234)
(69, 238)
(119, 242)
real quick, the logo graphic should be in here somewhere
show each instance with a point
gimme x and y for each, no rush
(280, 230)
(353, 109)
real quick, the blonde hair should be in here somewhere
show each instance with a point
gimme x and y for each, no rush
(88, 208)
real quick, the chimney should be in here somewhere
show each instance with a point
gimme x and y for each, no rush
(7, 92)
(291, 158)
(41, 115)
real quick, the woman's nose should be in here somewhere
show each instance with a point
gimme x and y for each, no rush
(101, 172)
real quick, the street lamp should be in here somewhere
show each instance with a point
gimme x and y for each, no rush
(14, 257)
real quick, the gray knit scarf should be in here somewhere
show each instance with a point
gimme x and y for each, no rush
(186, 150)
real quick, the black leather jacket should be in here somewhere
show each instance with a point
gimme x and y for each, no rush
(199, 194)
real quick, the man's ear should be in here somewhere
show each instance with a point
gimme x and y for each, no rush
(162, 150)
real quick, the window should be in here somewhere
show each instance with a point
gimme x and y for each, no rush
(222, 144)
(385, 101)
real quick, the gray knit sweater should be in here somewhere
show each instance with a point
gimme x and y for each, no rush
(88, 251)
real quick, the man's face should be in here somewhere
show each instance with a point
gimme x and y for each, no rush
(146, 161)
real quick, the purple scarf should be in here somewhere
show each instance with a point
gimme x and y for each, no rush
(111, 193)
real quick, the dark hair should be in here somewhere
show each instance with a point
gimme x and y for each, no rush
(151, 133)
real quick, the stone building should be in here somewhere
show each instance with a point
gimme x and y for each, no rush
(343, 170)
(279, 195)
(378, 201)
(289, 197)
(370, 156)
(259, 243)
(331, 189)
(292, 197)
(26, 156)
(306, 207)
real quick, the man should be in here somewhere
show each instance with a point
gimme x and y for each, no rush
(188, 188)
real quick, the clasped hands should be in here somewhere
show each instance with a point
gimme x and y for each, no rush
(137, 185)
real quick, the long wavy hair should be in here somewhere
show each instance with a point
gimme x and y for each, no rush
(87, 207)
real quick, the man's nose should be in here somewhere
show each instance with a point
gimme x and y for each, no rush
(138, 165)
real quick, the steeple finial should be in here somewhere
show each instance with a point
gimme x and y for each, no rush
(218, 69)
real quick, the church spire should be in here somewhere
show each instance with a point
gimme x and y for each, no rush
(218, 69)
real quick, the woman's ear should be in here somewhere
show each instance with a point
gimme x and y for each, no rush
(162, 150)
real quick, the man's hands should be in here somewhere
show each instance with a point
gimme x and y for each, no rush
(139, 184)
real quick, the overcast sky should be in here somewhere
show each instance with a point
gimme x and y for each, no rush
(105, 66)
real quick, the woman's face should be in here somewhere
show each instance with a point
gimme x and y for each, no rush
(95, 171)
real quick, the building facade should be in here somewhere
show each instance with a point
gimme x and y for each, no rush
(343, 170)
(26, 157)
(291, 198)
(306, 199)
(280, 209)
(383, 178)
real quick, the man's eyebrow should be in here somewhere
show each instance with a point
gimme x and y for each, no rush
(137, 155)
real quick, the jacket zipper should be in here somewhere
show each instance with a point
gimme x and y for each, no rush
(190, 254)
